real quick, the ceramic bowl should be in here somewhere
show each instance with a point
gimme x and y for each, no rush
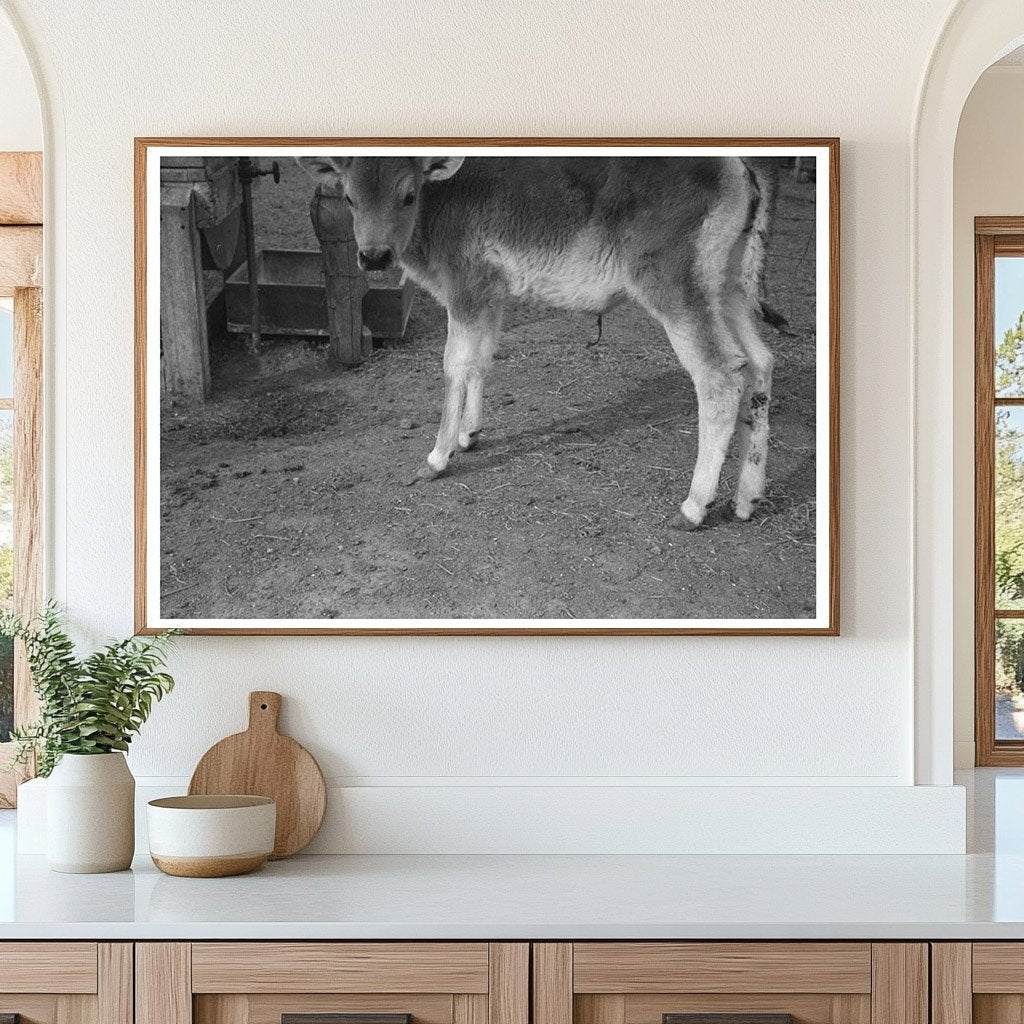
(211, 836)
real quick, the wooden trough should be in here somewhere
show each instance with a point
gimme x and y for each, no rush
(293, 297)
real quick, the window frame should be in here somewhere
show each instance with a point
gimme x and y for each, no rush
(21, 262)
(993, 237)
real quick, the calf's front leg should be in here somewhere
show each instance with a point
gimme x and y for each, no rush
(462, 354)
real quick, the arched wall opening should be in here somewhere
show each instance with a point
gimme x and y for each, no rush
(976, 35)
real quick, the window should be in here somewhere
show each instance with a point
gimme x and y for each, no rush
(21, 363)
(999, 490)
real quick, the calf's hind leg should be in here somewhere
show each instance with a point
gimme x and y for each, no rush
(710, 354)
(753, 428)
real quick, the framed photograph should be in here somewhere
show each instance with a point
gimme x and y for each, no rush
(496, 386)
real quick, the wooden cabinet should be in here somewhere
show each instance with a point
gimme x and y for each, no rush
(66, 982)
(759, 982)
(978, 983)
(306, 982)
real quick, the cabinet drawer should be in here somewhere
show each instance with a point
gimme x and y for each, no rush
(332, 983)
(730, 983)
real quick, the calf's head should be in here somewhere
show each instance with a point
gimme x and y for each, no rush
(383, 193)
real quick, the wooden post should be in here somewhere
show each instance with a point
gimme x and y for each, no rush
(184, 345)
(351, 343)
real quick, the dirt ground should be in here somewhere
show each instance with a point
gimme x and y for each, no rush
(285, 495)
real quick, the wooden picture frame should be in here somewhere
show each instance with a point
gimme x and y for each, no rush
(148, 151)
(993, 237)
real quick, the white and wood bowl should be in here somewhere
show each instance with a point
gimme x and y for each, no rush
(211, 836)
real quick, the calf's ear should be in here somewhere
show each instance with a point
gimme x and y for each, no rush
(438, 168)
(320, 167)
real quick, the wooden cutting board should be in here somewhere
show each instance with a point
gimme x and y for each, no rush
(262, 762)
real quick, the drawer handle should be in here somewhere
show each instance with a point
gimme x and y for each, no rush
(727, 1018)
(339, 1018)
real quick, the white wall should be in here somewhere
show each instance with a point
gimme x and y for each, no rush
(810, 712)
(21, 127)
(988, 180)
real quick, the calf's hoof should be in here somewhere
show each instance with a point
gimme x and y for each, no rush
(680, 521)
(468, 441)
(425, 472)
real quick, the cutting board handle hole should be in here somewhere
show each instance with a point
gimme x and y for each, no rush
(263, 707)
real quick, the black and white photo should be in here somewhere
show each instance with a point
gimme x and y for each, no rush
(427, 386)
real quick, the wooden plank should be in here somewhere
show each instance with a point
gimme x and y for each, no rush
(115, 983)
(32, 1009)
(339, 967)
(21, 188)
(998, 967)
(606, 1009)
(227, 1009)
(508, 994)
(951, 983)
(76, 1009)
(21, 259)
(998, 1008)
(552, 983)
(722, 967)
(269, 1008)
(163, 983)
(899, 993)
(28, 483)
(65, 967)
(467, 1009)
(184, 346)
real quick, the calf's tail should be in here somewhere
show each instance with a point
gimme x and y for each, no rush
(763, 174)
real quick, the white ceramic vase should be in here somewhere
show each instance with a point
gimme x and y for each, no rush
(90, 814)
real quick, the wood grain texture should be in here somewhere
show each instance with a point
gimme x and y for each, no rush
(262, 762)
(998, 1009)
(998, 967)
(21, 188)
(806, 1008)
(984, 502)
(146, 616)
(28, 483)
(552, 983)
(21, 259)
(899, 993)
(115, 995)
(269, 1008)
(951, 981)
(508, 994)
(467, 1009)
(346, 1018)
(163, 983)
(304, 967)
(603, 1009)
(631, 967)
(65, 967)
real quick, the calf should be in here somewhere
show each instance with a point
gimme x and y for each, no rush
(682, 236)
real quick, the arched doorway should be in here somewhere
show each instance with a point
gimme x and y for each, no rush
(976, 34)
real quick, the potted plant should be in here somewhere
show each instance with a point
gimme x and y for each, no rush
(89, 710)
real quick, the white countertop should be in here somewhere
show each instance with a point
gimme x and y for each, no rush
(496, 897)
(977, 896)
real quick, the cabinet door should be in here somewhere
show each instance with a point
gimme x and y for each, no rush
(730, 983)
(332, 983)
(981, 982)
(65, 983)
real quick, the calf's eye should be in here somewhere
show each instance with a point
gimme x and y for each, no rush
(409, 199)
(348, 199)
